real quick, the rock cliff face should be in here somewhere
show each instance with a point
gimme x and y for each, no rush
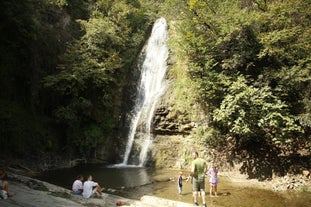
(171, 151)
(171, 130)
(168, 122)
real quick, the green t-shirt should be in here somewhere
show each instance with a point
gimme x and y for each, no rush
(199, 167)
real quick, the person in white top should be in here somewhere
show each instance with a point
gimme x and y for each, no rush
(77, 186)
(90, 188)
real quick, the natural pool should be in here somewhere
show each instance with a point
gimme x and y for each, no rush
(136, 182)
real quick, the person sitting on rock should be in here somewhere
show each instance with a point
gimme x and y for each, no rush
(4, 185)
(90, 188)
(77, 186)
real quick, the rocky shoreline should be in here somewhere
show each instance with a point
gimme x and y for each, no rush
(290, 182)
(29, 192)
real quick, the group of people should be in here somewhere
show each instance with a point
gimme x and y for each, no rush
(197, 175)
(87, 188)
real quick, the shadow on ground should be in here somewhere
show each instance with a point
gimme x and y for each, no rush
(262, 161)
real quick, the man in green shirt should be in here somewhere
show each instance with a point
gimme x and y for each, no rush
(198, 170)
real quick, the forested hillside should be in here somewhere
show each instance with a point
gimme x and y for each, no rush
(243, 65)
(63, 69)
(248, 62)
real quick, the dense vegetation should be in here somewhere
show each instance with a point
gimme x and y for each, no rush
(64, 65)
(249, 62)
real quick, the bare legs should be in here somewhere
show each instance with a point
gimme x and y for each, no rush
(98, 190)
(203, 196)
(213, 188)
(196, 195)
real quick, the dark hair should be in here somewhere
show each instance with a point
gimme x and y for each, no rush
(79, 177)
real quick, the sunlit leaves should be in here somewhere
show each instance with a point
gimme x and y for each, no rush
(196, 4)
(59, 3)
(255, 113)
(94, 71)
(276, 44)
(267, 43)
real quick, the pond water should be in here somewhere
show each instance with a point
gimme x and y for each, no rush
(136, 182)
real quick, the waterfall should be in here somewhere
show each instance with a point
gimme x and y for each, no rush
(151, 87)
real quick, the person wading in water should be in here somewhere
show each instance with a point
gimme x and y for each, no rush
(198, 171)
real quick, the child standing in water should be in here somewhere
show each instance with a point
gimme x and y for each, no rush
(180, 181)
(213, 173)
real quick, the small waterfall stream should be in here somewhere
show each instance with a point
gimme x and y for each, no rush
(151, 87)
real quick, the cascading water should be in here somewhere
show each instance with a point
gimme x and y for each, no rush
(151, 87)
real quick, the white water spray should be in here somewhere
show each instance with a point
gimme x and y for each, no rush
(151, 87)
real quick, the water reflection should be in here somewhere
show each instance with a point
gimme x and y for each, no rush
(127, 177)
(106, 176)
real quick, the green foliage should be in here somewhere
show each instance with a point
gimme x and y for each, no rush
(251, 63)
(89, 85)
(255, 113)
(88, 140)
(173, 10)
(32, 38)
(305, 118)
(209, 137)
(23, 134)
(69, 60)
(59, 3)
(246, 63)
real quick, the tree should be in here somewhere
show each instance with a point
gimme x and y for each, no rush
(88, 87)
(257, 41)
(252, 114)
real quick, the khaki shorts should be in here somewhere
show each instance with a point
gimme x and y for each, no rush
(198, 184)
